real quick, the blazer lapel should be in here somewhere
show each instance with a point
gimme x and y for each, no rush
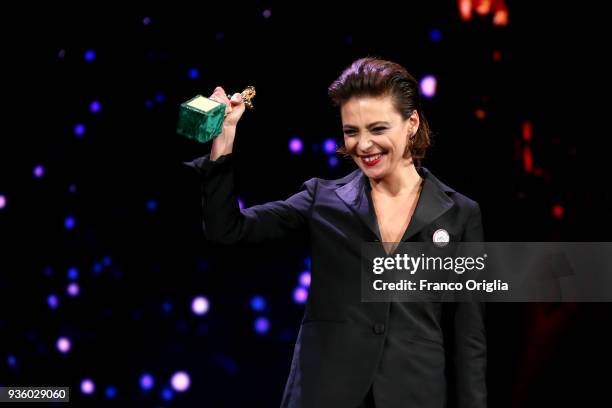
(357, 198)
(433, 202)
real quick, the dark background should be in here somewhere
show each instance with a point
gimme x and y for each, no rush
(137, 207)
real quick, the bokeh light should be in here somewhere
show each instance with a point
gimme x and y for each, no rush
(258, 303)
(262, 325)
(52, 301)
(200, 305)
(428, 86)
(180, 381)
(296, 145)
(39, 171)
(79, 129)
(87, 386)
(300, 295)
(73, 289)
(146, 382)
(63, 345)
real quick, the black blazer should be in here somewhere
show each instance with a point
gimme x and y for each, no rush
(345, 346)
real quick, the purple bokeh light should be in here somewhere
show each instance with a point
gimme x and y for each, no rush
(73, 289)
(39, 171)
(79, 129)
(305, 279)
(296, 145)
(95, 106)
(87, 386)
(63, 345)
(53, 301)
(329, 146)
(146, 381)
(428, 86)
(262, 325)
(300, 295)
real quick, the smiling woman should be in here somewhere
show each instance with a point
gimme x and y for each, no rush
(386, 134)
(349, 353)
(374, 88)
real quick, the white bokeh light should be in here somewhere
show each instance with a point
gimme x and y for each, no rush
(180, 381)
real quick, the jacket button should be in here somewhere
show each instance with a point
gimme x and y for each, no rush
(379, 328)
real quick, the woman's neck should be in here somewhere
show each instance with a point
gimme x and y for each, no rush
(402, 181)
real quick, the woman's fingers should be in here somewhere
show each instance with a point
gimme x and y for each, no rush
(236, 99)
(238, 107)
(220, 96)
(234, 107)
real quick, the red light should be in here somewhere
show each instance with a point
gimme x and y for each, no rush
(497, 8)
(557, 211)
(527, 131)
(500, 18)
(465, 9)
(482, 7)
(527, 159)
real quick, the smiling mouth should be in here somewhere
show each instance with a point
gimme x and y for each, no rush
(372, 159)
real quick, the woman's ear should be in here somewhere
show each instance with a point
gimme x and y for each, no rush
(412, 125)
(414, 121)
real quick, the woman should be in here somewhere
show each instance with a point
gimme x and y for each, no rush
(351, 353)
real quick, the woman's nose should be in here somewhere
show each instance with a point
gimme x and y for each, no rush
(364, 142)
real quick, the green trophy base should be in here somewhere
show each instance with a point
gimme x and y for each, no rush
(201, 119)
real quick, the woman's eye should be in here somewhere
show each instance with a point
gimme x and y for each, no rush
(379, 129)
(349, 132)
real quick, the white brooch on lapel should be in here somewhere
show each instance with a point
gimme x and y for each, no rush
(441, 237)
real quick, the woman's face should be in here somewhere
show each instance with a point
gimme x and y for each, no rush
(375, 135)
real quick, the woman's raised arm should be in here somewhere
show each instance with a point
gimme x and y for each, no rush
(223, 220)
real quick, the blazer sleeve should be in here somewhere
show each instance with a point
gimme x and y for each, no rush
(223, 220)
(470, 336)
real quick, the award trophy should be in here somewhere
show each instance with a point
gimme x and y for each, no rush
(201, 118)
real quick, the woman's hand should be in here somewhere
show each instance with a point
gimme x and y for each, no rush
(234, 108)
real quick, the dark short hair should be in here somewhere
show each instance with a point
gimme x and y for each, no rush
(375, 77)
